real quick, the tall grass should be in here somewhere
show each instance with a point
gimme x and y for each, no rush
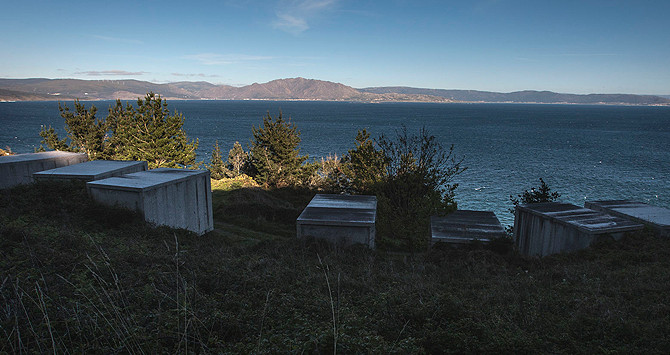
(79, 278)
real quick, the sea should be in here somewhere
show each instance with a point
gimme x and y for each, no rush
(584, 152)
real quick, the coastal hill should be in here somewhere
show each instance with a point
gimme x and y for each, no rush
(286, 89)
(526, 96)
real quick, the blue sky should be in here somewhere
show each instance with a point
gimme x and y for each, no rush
(497, 45)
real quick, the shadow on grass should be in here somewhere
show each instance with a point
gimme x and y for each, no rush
(74, 279)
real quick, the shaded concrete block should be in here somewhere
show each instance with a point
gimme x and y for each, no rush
(464, 226)
(341, 219)
(547, 228)
(92, 170)
(655, 217)
(18, 169)
(177, 198)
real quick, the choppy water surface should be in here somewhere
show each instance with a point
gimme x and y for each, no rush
(583, 152)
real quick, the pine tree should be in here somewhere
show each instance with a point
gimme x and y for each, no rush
(150, 133)
(275, 154)
(237, 157)
(217, 169)
(86, 133)
(365, 165)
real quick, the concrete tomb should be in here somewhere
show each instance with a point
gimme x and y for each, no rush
(92, 170)
(18, 169)
(177, 198)
(655, 217)
(341, 219)
(464, 226)
(547, 228)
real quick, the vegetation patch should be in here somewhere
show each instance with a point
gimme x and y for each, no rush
(78, 277)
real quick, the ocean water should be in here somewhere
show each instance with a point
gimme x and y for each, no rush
(583, 152)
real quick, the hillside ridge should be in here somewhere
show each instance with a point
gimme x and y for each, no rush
(42, 89)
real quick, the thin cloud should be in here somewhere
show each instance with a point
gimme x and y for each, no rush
(201, 75)
(110, 72)
(294, 16)
(224, 59)
(118, 39)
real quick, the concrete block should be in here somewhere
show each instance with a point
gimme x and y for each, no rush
(177, 198)
(18, 169)
(655, 217)
(92, 170)
(547, 228)
(464, 226)
(341, 219)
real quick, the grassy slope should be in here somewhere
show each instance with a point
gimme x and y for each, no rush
(77, 277)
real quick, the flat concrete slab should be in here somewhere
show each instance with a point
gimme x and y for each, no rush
(92, 170)
(340, 219)
(19, 169)
(547, 228)
(655, 217)
(177, 198)
(465, 226)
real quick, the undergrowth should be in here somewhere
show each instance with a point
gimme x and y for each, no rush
(77, 277)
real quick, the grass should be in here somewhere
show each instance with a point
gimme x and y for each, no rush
(76, 277)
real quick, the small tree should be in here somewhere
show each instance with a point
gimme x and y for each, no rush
(150, 133)
(274, 153)
(237, 157)
(86, 133)
(535, 195)
(330, 175)
(417, 184)
(365, 165)
(217, 168)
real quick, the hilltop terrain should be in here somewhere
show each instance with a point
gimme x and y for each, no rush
(287, 89)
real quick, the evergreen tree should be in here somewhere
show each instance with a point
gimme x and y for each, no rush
(535, 195)
(365, 165)
(274, 153)
(150, 133)
(217, 168)
(86, 133)
(237, 157)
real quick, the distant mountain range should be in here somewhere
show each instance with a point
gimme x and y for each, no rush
(287, 89)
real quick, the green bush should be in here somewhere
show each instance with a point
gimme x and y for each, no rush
(147, 132)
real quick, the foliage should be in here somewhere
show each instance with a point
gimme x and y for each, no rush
(147, 132)
(217, 168)
(150, 133)
(411, 176)
(237, 158)
(535, 195)
(76, 277)
(274, 153)
(419, 171)
(6, 151)
(86, 133)
(365, 165)
(330, 176)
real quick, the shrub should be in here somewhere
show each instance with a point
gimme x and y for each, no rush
(275, 157)
(147, 132)
(411, 176)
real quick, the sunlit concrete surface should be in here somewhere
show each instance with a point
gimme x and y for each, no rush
(92, 170)
(19, 169)
(177, 198)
